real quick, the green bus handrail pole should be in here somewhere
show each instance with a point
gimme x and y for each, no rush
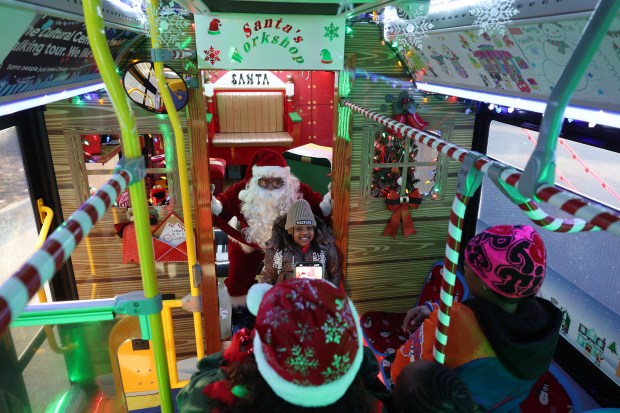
(137, 192)
(540, 168)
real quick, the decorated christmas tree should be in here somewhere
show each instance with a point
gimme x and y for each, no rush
(391, 148)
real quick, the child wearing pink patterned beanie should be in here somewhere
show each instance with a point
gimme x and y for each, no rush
(503, 339)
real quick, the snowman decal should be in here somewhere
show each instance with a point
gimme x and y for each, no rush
(557, 52)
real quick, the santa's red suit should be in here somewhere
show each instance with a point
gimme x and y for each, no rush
(255, 210)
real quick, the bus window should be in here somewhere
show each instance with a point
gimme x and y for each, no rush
(587, 170)
(582, 268)
(18, 230)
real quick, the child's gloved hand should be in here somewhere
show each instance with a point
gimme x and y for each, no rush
(216, 206)
(326, 203)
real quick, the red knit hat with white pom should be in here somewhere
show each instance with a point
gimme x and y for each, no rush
(307, 342)
(267, 162)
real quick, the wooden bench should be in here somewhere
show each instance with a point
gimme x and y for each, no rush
(251, 115)
(251, 119)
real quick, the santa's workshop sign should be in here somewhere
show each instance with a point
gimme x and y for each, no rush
(265, 41)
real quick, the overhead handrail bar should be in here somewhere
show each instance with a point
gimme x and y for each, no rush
(592, 213)
(188, 223)
(505, 178)
(20, 287)
(540, 168)
(131, 150)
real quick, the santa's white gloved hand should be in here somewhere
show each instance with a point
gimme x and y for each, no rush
(326, 203)
(216, 206)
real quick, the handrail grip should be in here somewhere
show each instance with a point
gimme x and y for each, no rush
(540, 168)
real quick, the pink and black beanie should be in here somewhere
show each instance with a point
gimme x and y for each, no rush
(509, 259)
(308, 343)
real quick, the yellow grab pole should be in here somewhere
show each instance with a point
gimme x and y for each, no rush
(169, 333)
(47, 214)
(182, 165)
(137, 191)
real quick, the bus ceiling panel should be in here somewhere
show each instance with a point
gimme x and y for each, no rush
(519, 67)
(306, 7)
(116, 13)
(445, 14)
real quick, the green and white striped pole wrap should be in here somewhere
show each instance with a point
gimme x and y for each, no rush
(468, 182)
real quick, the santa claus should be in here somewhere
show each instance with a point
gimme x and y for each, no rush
(266, 193)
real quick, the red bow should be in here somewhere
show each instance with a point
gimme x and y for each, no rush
(400, 211)
(219, 391)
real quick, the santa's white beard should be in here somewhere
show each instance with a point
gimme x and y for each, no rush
(261, 207)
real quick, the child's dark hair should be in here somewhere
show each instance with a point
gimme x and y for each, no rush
(429, 387)
(260, 397)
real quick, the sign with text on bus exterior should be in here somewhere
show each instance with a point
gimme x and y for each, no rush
(269, 41)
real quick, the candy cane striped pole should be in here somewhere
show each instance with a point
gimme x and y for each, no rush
(453, 246)
(469, 180)
(595, 214)
(43, 264)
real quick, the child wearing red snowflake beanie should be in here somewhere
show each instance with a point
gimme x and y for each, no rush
(304, 354)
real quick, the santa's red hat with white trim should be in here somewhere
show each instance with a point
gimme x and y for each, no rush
(267, 163)
(308, 343)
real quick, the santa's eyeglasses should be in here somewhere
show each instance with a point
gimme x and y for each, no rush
(275, 183)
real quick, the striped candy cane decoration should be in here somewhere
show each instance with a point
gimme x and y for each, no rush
(604, 218)
(453, 246)
(43, 264)
(594, 214)
(506, 180)
(469, 181)
(537, 215)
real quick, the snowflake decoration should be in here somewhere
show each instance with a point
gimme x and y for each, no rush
(276, 316)
(344, 5)
(212, 55)
(340, 364)
(333, 329)
(173, 27)
(408, 34)
(302, 360)
(304, 332)
(331, 31)
(493, 15)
